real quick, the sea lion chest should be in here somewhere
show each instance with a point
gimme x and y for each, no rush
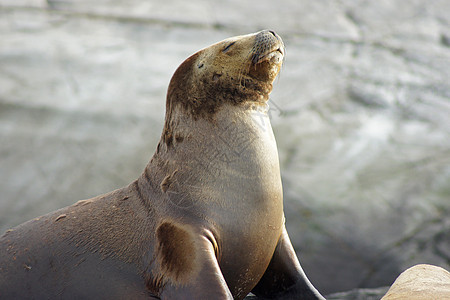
(227, 177)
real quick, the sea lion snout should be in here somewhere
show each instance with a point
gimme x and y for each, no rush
(266, 56)
(267, 45)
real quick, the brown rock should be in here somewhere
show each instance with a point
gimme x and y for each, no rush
(421, 282)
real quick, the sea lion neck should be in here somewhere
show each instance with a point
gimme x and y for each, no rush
(237, 146)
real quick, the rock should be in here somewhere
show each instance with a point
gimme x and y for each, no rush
(359, 294)
(356, 294)
(421, 282)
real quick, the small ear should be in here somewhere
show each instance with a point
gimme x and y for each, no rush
(200, 65)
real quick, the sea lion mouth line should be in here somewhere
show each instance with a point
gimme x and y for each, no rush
(258, 58)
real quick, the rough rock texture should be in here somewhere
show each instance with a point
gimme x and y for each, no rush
(356, 294)
(360, 113)
(421, 282)
(359, 294)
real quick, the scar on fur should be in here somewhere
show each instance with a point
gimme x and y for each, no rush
(167, 181)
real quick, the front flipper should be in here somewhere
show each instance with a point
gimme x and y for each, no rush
(284, 277)
(191, 264)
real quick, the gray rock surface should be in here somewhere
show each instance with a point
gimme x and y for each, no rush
(361, 114)
(356, 294)
(359, 294)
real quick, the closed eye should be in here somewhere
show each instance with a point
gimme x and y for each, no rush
(228, 47)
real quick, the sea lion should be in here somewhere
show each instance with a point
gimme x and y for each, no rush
(205, 219)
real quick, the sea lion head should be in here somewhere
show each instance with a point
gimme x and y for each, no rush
(236, 70)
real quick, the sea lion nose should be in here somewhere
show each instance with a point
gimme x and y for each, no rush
(267, 31)
(276, 35)
(269, 34)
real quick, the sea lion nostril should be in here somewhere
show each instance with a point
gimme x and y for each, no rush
(273, 32)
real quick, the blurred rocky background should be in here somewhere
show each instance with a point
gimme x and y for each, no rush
(361, 113)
